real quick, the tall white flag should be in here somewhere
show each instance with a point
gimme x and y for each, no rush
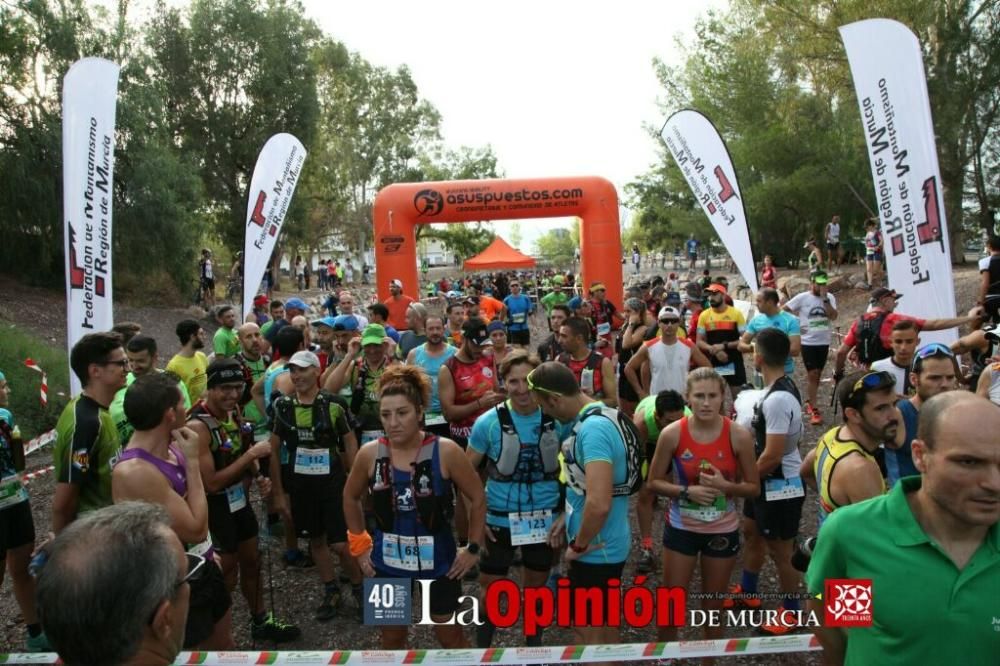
(891, 86)
(271, 188)
(704, 160)
(90, 95)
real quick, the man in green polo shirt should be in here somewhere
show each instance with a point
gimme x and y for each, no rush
(930, 547)
(225, 342)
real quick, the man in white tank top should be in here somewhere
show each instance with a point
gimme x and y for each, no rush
(663, 363)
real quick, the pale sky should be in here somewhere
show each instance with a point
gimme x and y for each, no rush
(557, 88)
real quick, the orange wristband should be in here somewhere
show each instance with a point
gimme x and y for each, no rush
(359, 544)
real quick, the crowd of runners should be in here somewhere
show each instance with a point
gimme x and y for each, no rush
(411, 440)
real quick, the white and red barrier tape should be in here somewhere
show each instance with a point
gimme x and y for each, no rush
(26, 479)
(577, 654)
(38, 442)
(44, 393)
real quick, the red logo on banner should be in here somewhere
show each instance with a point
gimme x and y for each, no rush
(257, 217)
(848, 602)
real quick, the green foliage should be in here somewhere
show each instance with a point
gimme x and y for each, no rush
(465, 240)
(773, 77)
(556, 247)
(17, 346)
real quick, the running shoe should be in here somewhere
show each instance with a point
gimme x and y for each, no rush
(39, 643)
(274, 630)
(646, 562)
(328, 609)
(786, 624)
(732, 602)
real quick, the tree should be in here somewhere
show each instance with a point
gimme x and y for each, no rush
(465, 240)
(556, 247)
(516, 237)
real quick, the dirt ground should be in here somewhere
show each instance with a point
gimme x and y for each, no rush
(298, 592)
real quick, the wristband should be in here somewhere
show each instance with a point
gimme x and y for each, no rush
(359, 544)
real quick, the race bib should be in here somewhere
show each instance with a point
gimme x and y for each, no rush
(369, 435)
(12, 491)
(312, 462)
(780, 489)
(695, 511)
(236, 497)
(528, 527)
(727, 370)
(408, 553)
(604, 328)
(434, 419)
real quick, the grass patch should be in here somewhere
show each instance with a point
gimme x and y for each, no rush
(17, 345)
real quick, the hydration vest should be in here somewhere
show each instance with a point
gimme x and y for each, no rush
(248, 377)
(590, 377)
(434, 502)
(575, 476)
(510, 464)
(322, 434)
(759, 423)
(869, 340)
(224, 450)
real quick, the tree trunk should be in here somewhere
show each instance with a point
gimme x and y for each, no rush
(952, 195)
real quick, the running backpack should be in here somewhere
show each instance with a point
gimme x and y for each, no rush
(759, 422)
(575, 476)
(869, 342)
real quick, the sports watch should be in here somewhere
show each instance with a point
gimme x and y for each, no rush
(472, 548)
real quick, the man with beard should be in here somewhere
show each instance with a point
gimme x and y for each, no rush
(228, 458)
(254, 364)
(397, 304)
(467, 387)
(323, 335)
(550, 349)
(315, 428)
(361, 373)
(190, 364)
(429, 357)
(842, 468)
(932, 542)
(719, 330)
(225, 342)
(934, 371)
(456, 317)
(606, 319)
(141, 352)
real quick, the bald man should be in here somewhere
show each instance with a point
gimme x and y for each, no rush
(255, 363)
(937, 546)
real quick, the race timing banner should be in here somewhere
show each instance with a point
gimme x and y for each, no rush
(891, 86)
(703, 158)
(90, 95)
(271, 188)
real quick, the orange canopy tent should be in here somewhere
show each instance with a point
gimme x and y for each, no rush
(498, 255)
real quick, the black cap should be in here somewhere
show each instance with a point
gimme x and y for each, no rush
(474, 330)
(882, 292)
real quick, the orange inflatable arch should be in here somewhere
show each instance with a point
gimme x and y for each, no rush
(401, 206)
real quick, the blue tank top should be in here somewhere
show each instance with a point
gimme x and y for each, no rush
(403, 544)
(899, 462)
(269, 376)
(430, 365)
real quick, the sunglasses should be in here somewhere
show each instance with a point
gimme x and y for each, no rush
(534, 387)
(931, 350)
(873, 381)
(195, 570)
(123, 364)
(670, 321)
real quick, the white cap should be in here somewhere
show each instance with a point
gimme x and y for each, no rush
(304, 359)
(667, 311)
(396, 283)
